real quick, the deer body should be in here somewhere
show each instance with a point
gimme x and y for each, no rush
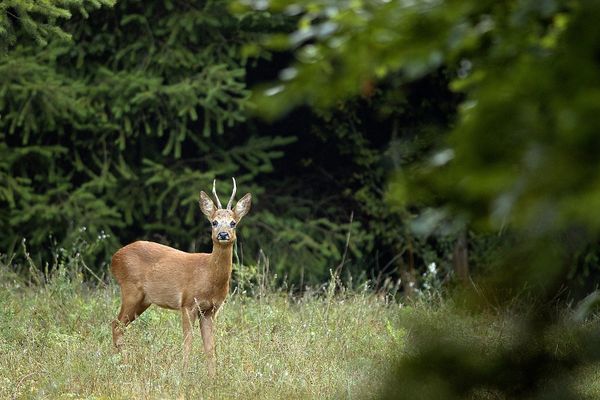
(194, 283)
(174, 279)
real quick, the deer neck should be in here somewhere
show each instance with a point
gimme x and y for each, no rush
(221, 259)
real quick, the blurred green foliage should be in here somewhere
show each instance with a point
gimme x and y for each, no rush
(519, 159)
(520, 154)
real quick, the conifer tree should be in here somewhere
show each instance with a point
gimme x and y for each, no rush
(41, 20)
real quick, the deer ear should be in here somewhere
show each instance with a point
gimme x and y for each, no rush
(206, 205)
(243, 206)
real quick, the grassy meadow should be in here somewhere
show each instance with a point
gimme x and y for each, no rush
(55, 343)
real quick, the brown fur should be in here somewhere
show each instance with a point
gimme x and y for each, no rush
(194, 283)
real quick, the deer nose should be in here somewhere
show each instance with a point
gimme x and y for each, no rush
(223, 236)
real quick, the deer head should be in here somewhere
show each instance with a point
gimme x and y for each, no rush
(224, 220)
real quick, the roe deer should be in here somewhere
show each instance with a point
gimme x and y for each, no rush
(195, 283)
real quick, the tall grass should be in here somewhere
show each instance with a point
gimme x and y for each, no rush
(55, 342)
(329, 342)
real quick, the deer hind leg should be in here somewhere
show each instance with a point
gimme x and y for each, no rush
(188, 317)
(132, 306)
(208, 338)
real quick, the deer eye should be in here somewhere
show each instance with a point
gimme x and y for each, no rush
(232, 224)
(215, 223)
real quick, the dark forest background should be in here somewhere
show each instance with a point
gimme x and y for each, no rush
(380, 140)
(112, 133)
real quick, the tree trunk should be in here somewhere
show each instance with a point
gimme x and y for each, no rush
(460, 257)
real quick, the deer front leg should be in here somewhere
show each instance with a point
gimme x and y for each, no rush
(208, 338)
(188, 317)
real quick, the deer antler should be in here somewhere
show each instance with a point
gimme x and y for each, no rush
(215, 194)
(232, 195)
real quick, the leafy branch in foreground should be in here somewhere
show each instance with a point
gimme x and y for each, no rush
(520, 157)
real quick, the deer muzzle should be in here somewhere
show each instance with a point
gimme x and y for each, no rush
(223, 236)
